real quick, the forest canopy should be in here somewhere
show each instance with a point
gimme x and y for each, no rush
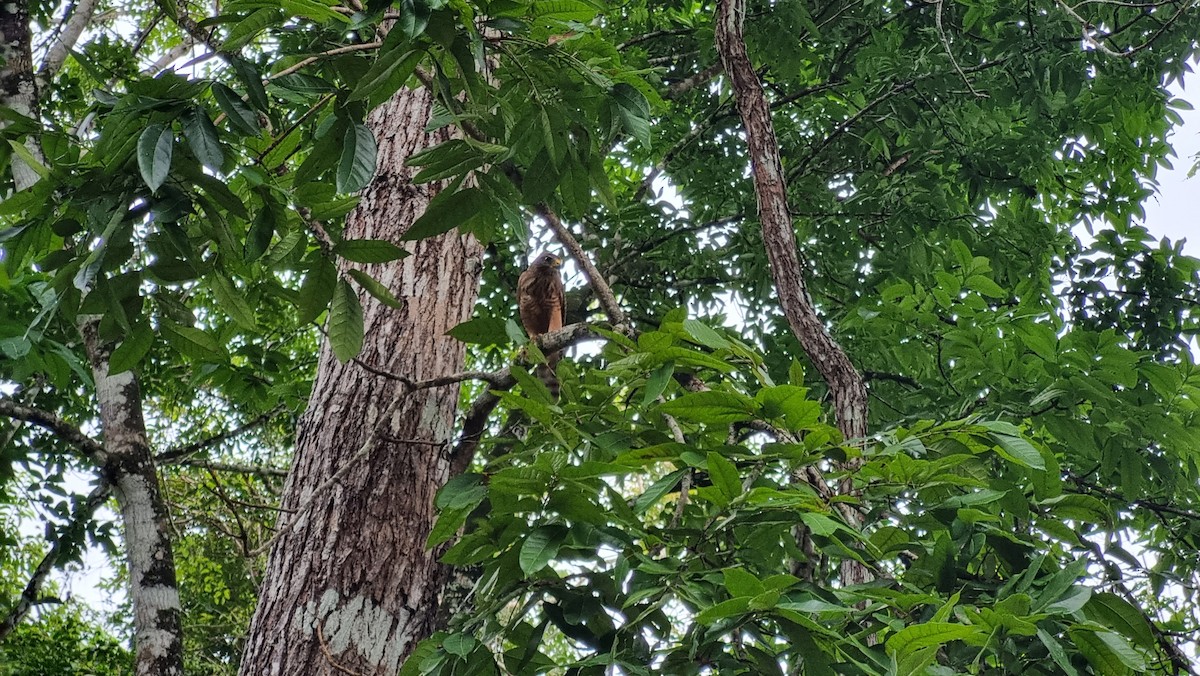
(872, 363)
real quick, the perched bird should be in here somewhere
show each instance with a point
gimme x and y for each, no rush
(543, 309)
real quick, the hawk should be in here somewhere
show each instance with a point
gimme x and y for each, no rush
(543, 309)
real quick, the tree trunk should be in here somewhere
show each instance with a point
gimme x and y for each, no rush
(350, 586)
(18, 89)
(846, 385)
(128, 465)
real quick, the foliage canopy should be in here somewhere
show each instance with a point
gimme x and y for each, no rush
(1031, 489)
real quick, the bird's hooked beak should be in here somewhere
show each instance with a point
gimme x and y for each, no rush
(556, 262)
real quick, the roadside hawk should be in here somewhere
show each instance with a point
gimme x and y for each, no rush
(543, 309)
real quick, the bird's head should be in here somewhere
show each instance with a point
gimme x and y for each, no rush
(548, 261)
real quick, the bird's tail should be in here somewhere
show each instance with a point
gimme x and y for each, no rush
(545, 373)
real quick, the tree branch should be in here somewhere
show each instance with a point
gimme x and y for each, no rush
(604, 293)
(197, 446)
(232, 468)
(476, 419)
(29, 596)
(845, 383)
(54, 424)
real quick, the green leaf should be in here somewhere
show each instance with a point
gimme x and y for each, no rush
(724, 475)
(1109, 653)
(131, 350)
(369, 250)
(481, 331)
(730, 608)
(1119, 615)
(459, 644)
(390, 70)
(379, 291)
(656, 383)
(713, 407)
(986, 287)
(704, 335)
(447, 211)
(739, 582)
(154, 155)
(314, 10)
(240, 115)
(194, 343)
(790, 403)
(316, 291)
(357, 165)
(465, 491)
(1018, 450)
(657, 490)
(245, 30)
(917, 636)
(233, 301)
(202, 138)
(540, 547)
(345, 323)
(634, 111)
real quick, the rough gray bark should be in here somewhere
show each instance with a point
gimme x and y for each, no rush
(350, 586)
(128, 465)
(18, 89)
(846, 385)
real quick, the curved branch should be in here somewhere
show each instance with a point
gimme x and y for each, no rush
(29, 596)
(54, 424)
(845, 383)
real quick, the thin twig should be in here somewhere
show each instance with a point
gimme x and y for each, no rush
(345, 49)
(204, 444)
(950, 53)
(329, 656)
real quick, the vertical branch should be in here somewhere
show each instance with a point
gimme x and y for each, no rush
(129, 466)
(18, 88)
(846, 385)
(57, 55)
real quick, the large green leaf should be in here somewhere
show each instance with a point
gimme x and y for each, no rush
(155, 147)
(345, 322)
(357, 165)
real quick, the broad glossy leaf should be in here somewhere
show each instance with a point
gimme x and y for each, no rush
(357, 165)
(155, 148)
(540, 547)
(345, 322)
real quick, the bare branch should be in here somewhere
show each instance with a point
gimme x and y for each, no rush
(950, 53)
(677, 89)
(845, 384)
(232, 468)
(52, 423)
(203, 444)
(344, 49)
(30, 596)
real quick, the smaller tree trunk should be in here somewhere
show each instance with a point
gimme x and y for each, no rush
(18, 88)
(128, 465)
(846, 385)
